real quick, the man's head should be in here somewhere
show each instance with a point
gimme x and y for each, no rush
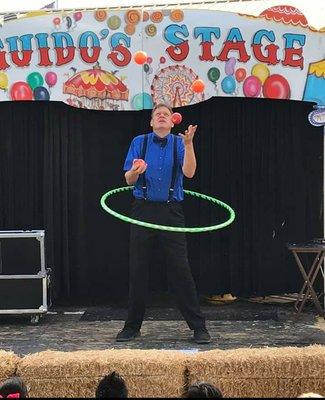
(161, 119)
(203, 390)
(111, 386)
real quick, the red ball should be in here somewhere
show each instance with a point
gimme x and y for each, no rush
(198, 86)
(140, 57)
(138, 162)
(176, 118)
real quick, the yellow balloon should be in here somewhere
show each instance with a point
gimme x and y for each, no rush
(261, 72)
(3, 81)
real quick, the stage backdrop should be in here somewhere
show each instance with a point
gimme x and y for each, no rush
(260, 156)
(88, 58)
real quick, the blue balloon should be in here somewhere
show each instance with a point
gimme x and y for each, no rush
(41, 93)
(228, 84)
(142, 101)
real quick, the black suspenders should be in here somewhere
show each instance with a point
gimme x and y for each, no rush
(174, 172)
(143, 176)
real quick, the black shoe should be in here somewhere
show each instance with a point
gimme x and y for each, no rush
(202, 336)
(127, 334)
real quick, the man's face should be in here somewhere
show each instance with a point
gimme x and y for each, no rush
(162, 119)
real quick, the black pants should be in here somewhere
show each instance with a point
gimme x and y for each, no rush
(178, 269)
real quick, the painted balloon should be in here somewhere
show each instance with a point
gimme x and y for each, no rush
(198, 86)
(214, 74)
(276, 87)
(149, 60)
(230, 66)
(21, 91)
(56, 21)
(69, 22)
(140, 57)
(146, 67)
(261, 72)
(77, 16)
(162, 60)
(41, 93)
(240, 74)
(252, 86)
(51, 78)
(228, 84)
(142, 101)
(35, 79)
(3, 81)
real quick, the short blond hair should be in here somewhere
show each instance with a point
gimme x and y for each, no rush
(160, 105)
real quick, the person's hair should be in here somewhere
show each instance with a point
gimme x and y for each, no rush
(160, 105)
(202, 390)
(111, 386)
(13, 385)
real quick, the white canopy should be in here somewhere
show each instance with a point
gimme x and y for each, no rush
(314, 10)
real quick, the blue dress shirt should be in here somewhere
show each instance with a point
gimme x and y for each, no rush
(159, 158)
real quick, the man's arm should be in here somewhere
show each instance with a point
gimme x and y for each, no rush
(189, 164)
(132, 175)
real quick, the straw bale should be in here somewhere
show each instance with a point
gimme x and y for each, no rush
(148, 373)
(8, 364)
(265, 372)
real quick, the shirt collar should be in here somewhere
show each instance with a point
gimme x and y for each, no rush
(155, 134)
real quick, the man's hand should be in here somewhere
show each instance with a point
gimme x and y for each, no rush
(139, 166)
(188, 134)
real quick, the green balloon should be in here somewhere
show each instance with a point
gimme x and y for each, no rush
(146, 67)
(35, 80)
(214, 74)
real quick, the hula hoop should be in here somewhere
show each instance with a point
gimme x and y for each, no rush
(170, 228)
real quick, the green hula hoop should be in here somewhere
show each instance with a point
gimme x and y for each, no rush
(170, 228)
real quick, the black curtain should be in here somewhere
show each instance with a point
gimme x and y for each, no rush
(262, 157)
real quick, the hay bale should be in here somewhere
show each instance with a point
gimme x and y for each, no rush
(266, 372)
(8, 364)
(148, 373)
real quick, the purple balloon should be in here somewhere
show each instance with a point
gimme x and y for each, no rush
(252, 86)
(230, 66)
(51, 78)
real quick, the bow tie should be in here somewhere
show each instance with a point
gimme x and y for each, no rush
(161, 141)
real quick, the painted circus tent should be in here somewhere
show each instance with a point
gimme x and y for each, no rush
(92, 58)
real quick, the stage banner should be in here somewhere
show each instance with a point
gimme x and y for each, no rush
(132, 59)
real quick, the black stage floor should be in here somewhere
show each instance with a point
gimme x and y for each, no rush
(241, 323)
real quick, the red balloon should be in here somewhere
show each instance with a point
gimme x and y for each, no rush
(149, 60)
(176, 118)
(276, 87)
(140, 57)
(162, 60)
(198, 86)
(240, 74)
(21, 91)
(56, 21)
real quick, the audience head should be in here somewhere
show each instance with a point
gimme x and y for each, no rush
(13, 388)
(111, 386)
(203, 390)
